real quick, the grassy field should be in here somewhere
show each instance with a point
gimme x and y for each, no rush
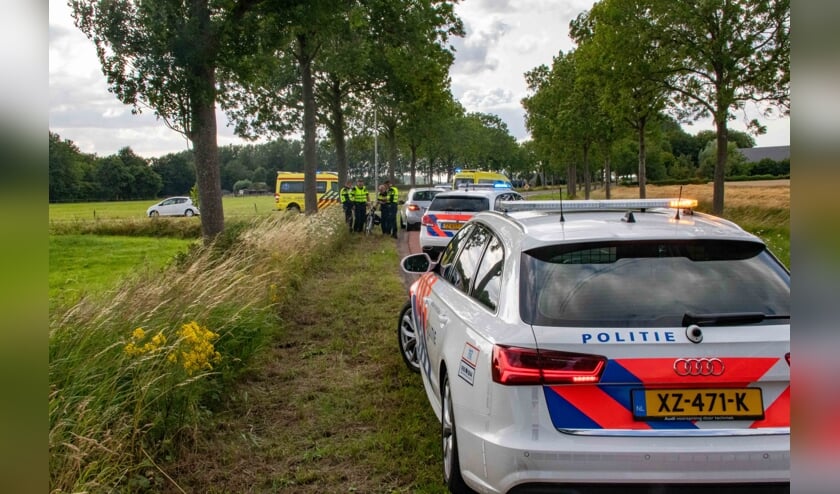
(234, 207)
(92, 264)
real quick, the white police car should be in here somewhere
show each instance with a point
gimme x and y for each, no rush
(615, 342)
(449, 211)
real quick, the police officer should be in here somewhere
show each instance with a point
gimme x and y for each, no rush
(392, 197)
(347, 203)
(360, 198)
(382, 202)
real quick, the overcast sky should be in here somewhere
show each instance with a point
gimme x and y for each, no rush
(504, 39)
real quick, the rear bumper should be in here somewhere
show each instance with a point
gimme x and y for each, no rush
(550, 458)
(761, 488)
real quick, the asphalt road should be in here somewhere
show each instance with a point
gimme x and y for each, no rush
(408, 242)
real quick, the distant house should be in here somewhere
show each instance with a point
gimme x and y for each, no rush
(775, 153)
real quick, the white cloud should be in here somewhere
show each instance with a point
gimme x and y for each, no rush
(504, 39)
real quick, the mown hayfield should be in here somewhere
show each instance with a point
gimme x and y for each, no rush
(760, 207)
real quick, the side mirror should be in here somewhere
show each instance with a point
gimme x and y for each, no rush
(417, 263)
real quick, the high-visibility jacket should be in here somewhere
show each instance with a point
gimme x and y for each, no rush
(382, 197)
(393, 195)
(359, 194)
(344, 193)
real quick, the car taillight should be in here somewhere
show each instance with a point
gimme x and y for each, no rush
(787, 358)
(528, 366)
(426, 220)
(413, 207)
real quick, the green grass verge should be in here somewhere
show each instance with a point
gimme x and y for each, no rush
(330, 407)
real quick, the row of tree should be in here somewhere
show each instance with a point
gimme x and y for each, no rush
(341, 72)
(637, 60)
(478, 141)
(275, 67)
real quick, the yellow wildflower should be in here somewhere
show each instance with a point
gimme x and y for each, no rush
(138, 334)
(195, 348)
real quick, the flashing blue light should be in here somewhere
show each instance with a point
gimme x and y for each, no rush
(502, 185)
(457, 170)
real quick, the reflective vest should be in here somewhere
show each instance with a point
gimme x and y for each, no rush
(382, 197)
(344, 193)
(359, 194)
(393, 195)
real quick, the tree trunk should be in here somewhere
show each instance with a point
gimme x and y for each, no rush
(338, 132)
(642, 160)
(720, 165)
(587, 178)
(607, 172)
(392, 154)
(571, 188)
(310, 159)
(202, 132)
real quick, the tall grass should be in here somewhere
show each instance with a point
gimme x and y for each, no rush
(136, 371)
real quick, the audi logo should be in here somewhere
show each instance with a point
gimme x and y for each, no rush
(699, 366)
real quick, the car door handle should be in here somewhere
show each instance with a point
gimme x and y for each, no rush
(443, 319)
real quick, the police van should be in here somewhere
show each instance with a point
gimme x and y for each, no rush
(470, 177)
(288, 195)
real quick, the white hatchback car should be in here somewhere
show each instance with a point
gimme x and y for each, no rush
(173, 206)
(449, 211)
(615, 342)
(416, 203)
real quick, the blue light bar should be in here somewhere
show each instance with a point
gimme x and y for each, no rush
(595, 205)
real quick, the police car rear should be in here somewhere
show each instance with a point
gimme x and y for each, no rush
(449, 211)
(603, 346)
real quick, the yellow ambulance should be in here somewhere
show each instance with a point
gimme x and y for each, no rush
(464, 177)
(288, 195)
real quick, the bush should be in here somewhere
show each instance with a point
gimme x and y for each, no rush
(139, 227)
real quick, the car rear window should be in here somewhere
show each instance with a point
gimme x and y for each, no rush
(425, 195)
(455, 203)
(649, 284)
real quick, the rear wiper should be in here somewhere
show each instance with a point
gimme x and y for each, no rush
(730, 318)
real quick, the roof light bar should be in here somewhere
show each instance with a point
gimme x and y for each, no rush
(594, 205)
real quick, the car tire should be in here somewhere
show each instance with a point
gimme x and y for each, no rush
(293, 208)
(407, 339)
(189, 212)
(154, 214)
(449, 443)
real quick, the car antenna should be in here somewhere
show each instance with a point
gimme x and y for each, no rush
(562, 218)
(679, 200)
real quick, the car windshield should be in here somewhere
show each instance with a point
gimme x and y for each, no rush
(649, 284)
(460, 203)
